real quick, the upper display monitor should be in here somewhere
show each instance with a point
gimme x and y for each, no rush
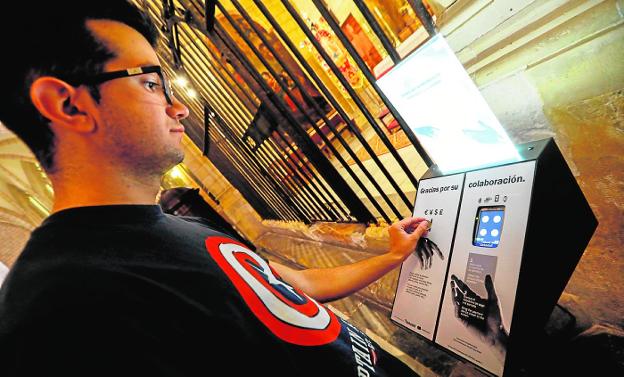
(433, 93)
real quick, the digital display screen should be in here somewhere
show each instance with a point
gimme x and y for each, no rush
(489, 226)
(443, 107)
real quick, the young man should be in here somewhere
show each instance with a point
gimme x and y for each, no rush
(108, 284)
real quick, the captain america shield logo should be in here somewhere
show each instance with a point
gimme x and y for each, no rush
(287, 312)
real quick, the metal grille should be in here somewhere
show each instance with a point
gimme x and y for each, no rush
(302, 154)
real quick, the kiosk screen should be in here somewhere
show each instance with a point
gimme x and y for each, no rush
(488, 226)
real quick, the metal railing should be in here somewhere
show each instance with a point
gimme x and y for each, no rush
(262, 141)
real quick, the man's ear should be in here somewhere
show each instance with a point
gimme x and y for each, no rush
(61, 103)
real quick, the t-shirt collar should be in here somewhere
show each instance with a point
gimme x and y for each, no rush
(118, 213)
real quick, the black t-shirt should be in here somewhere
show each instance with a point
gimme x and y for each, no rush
(129, 290)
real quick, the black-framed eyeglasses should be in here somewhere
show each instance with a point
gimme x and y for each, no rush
(107, 76)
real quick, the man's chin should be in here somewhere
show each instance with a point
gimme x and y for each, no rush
(176, 158)
(180, 156)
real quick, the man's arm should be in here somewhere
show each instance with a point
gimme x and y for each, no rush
(327, 284)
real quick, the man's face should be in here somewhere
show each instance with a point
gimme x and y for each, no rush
(136, 125)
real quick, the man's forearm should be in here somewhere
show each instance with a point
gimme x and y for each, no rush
(327, 284)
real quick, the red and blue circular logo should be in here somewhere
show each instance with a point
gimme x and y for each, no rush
(287, 312)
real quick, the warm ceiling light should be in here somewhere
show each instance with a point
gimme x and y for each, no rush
(181, 81)
(192, 93)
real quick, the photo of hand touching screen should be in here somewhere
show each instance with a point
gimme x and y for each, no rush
(482, 316)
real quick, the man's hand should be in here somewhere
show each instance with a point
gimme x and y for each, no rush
(425, 250)
(404, 236)
(481, 316)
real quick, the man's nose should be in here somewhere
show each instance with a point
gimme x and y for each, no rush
(178, 110)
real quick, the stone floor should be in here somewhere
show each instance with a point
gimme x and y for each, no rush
(571, 344)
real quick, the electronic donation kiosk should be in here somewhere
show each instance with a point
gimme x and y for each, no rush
(509, 223)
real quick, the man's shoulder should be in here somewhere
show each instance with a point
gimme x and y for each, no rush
(206, 224)
(214, 229)
(199, 220)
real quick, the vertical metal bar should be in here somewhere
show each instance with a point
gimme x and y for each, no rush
(357, 100)
(295, 177)
(318, 111)
(274, 189)
(336, 202)
(295, 199)
(222, 164)
(303, 164)
(260, 187)
(219, 70)
(232, 171)
(271, 70)
(372, 81)
(209, 10)
(302, 91)
(176, 45)
(383, 38)
(305, 200)
(254, 168)
(256, 193)
(423, 15)
(348, 87)
(247, 183)
(217, 94)
(168, 14)
(338, 184)
(352, 127)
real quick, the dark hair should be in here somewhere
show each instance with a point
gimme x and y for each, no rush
(51, 38)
